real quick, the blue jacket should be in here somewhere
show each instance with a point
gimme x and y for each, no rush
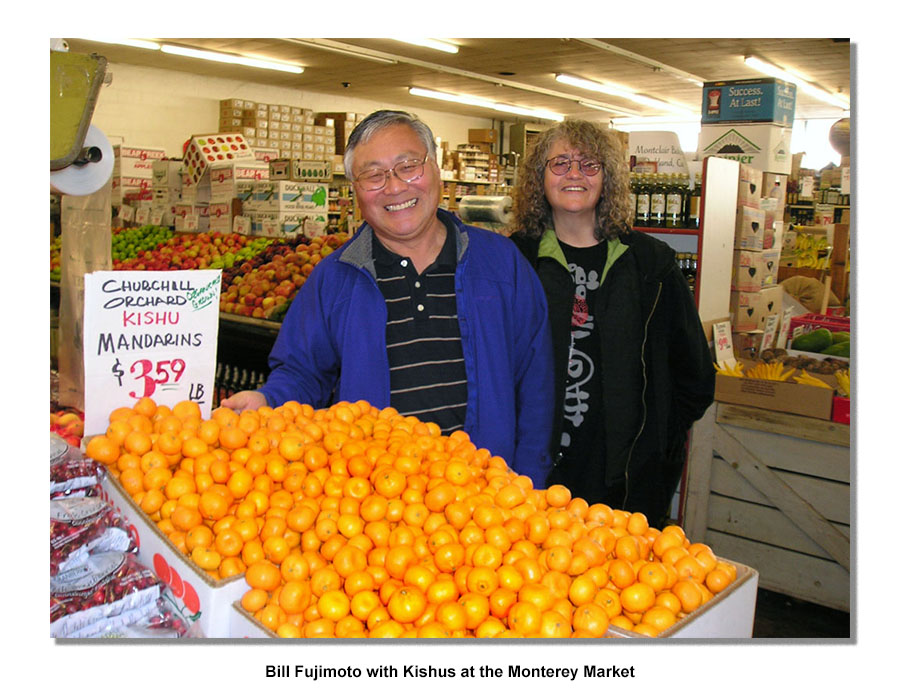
(331, 346)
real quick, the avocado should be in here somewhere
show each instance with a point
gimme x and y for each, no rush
(840, 337)
(814, 341)
(839, 349)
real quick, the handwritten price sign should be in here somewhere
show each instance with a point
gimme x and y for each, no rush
(148, 334)
(152, 374)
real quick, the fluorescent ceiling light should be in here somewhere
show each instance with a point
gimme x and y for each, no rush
(232, 58)
(810, 89)
(136, 43)
(488, 104)
(619, 91)
(432, 44)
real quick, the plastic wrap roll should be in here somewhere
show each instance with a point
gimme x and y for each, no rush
(480, 208)
(86, 179)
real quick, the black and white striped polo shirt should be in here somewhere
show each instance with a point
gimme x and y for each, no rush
(428, 373)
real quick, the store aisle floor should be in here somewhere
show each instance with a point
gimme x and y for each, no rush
(782, 616)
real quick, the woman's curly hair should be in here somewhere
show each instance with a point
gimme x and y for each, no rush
(531, 209)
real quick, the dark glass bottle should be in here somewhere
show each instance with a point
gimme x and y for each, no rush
(695, 199)
(674, 202)
(642, 215)
(658, 193)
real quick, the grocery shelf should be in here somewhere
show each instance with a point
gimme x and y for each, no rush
(680, 231)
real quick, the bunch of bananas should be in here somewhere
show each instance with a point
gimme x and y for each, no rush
(843, 379)
(806, 378)
(735, 370)
(773, 371)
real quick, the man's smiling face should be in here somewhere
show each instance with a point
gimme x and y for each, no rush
(400, 212)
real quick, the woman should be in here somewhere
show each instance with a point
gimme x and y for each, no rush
(632, 364)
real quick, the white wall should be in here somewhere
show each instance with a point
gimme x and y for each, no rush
(162, 108)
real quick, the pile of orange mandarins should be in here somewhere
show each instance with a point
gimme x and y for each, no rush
(354, 521)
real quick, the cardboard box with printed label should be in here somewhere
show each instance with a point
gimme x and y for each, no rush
(284, 195)
(214, 149)
(745, 310)
(280, 169)
(764, 146)
(783, 396)
(749, 229)
(123, 188)
(231, 104)
(167, 174)
(192, 218)
(311, 170)
(770, 259)
(769, 208)
(135, 161)
(223, 180)
(728, 615)
(746, 344)
(264, 154)
(768, 302)
(196, 597)
(749, 186)
(747, 271)
(766, 100)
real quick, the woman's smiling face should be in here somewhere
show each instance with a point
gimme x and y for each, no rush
(574, 192)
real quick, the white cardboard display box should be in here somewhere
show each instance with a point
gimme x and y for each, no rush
(729, 615)
(200, 599)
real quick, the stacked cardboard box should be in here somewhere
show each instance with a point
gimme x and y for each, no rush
(286, 209)
(276, 130)
(226, 185)
(755, 294)
(132, 176)
(342, 123)
(166, 189)
(749, 121)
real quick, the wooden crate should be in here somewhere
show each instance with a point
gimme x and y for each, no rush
(773, 490)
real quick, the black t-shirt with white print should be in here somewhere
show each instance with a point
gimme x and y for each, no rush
(582, 425)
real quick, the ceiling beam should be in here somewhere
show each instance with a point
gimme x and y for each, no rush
(604, 46)
(327, 44)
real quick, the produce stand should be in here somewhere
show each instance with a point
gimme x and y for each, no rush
(773, 490)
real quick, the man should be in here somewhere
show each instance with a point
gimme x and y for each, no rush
(419, 311)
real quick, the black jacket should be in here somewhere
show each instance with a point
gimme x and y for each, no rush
(658, 376)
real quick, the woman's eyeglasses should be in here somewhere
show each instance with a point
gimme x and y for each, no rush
(562, 164)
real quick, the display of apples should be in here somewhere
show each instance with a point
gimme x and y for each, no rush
(131, 243)
(68, 423)
(196, 251)
(260, 276)
(264, 286)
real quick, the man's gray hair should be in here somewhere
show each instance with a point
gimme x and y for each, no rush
(382, 119)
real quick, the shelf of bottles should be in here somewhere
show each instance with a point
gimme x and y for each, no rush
(666, 202)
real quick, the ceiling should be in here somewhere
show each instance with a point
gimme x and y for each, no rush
(511, 70)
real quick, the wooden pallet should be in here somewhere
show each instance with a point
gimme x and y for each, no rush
(774, 491)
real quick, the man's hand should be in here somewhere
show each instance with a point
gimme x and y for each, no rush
(245, 401)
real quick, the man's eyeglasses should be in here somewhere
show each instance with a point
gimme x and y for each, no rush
(375, 178)
(562, 164)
